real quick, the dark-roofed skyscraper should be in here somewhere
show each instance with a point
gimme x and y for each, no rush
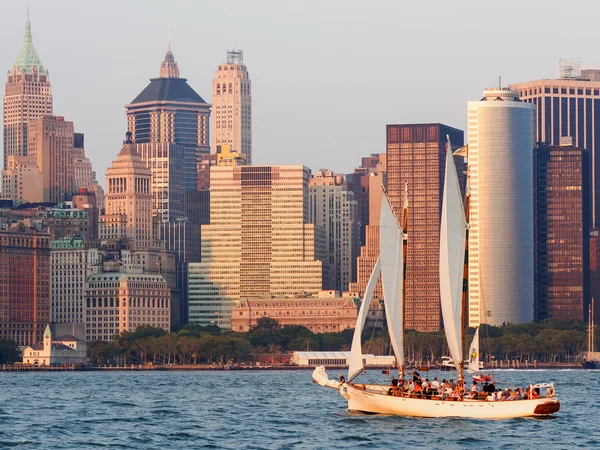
(169, 111)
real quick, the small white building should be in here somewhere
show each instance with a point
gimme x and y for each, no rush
(339, 359)
(65, 349)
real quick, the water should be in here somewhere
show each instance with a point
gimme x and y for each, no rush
(262, 410)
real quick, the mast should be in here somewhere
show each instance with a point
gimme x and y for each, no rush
(404, 253)
(591, 343)
(461, 375)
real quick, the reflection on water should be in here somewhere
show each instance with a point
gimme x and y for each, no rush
(263, 410)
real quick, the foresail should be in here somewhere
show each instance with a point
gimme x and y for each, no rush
(474, 353)
(452, 252)
(356, 359)
(390, 236)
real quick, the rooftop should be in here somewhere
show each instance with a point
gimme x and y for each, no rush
(168, 90)
(28, 57)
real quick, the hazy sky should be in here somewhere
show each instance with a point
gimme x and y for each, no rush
(327, 76)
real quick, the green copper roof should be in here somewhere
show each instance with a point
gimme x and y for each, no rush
(28, 57)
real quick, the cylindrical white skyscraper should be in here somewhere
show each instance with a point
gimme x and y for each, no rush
(501, 241)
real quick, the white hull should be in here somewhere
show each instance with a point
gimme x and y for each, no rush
(381, 403)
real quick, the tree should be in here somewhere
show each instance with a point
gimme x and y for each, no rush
(9, 352)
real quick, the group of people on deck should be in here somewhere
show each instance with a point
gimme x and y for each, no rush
(418, 387)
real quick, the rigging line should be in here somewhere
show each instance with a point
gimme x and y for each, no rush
(374, 328)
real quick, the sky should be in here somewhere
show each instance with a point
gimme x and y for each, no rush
(327, 76)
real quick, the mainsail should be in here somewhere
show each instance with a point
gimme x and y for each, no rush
(356, 359)
(474, 354)
(452, 253)
(392, 267)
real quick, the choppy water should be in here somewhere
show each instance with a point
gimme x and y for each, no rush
(256, 410)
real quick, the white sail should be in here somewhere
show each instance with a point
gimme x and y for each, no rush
(452, 252)
(356, 360)
(474, 354)
(392, 263)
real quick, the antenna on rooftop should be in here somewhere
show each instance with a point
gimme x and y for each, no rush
(235, 57)
(500, 82)
(569, 68)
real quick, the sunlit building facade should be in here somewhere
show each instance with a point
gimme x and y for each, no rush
(128, 201)
(562, 232)
(259, 242)
(569, 106)
(169, 111)
(416, 154)
(24, 284)
(232, 106)
(501, 235)
(27, 96)
(367, 183)
(333, 208)
(324, 312)
(71, 262)
(50, 142)
(117, 302)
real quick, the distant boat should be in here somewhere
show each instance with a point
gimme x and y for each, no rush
(591, 359)
(389, 399)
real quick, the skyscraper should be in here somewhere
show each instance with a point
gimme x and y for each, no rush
(501, 241)
(50, 142)
(332, 207)
(24, 284)
(128, 201)
(71, 262)
(569, 106)
(367, 184)
(562, 231)
(169, 111)
(259, 242)
(232, 106)
(27, 97)
(416, 153)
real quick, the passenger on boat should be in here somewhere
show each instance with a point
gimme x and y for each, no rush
(342, 379)
(492, 386)
(435, 384)
(451, 383)
(474, 387)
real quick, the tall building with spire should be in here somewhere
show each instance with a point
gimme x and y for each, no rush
(232, 105)
(128, 200)
(169, 111)
(27, 97)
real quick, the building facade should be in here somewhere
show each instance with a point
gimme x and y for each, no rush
(325, 312)
(118, 302)
(562, 232)
(416, 154)
(333, 208)
(169, 111)
(71, 263)
(259, 242)
(569, 106)
(22, 180)
(50, 142)
(367, 183)
(232, 106)
(64, 349)
(24, 284)
(167, 165)
(501, 235)
(128, 201)
(27, 96)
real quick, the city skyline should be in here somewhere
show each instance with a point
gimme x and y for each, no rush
(298, 55)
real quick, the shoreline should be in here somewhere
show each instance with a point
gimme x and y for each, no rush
(206, 367)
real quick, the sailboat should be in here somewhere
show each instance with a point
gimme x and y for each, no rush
(474, 365)
(386, 399)
(591, 359)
